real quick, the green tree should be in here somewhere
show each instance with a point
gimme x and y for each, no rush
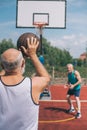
(54, 57)
(6, 44)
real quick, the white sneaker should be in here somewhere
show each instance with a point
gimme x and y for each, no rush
(71, 110)
(78, 115)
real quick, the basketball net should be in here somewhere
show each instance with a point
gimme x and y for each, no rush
(39, 26)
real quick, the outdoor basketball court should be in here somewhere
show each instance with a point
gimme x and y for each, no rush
(53, 113)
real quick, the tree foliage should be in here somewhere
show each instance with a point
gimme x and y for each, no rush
(54, 57)
(6, 44)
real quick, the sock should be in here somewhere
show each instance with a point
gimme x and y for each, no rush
(72, 107)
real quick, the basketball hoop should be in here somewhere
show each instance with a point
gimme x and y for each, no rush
(39, 26)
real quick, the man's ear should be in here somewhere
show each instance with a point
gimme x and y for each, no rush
(23, 63)
(2, 72)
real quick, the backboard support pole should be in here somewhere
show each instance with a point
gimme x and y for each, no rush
(41, 49)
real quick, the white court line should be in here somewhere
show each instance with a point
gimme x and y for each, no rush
(61, 101)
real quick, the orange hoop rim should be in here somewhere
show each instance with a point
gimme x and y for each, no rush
(40, 24)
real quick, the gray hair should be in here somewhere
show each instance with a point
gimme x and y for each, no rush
(69, 64)
(9, 66)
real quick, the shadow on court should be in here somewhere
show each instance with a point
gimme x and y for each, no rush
(56, 109)
(53, 113)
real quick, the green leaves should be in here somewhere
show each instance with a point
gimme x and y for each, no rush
(6, 44)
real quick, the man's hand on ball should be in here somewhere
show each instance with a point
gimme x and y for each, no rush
(32, 45)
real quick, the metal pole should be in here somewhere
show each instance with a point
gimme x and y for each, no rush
(40, 39)
(86, 54)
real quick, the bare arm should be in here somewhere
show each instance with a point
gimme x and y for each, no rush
(43, 79)
(40, 82)
(77, 74)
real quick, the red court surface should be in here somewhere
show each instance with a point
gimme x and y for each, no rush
(53, 113)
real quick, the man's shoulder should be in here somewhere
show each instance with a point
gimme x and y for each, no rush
(76, 71)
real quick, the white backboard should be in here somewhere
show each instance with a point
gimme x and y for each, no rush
(52, 12)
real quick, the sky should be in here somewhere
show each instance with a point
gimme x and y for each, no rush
(73, 38)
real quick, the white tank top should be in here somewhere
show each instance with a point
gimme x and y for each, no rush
(17, 108)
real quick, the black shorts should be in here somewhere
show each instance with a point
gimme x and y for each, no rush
(76, 93)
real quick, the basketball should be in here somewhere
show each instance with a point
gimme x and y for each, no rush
(22, 41)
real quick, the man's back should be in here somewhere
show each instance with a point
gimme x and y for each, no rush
(17, 108)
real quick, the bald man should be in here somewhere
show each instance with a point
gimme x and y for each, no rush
(74, 85)
(19, 95)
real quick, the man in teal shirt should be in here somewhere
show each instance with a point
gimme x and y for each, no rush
(74, 84)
